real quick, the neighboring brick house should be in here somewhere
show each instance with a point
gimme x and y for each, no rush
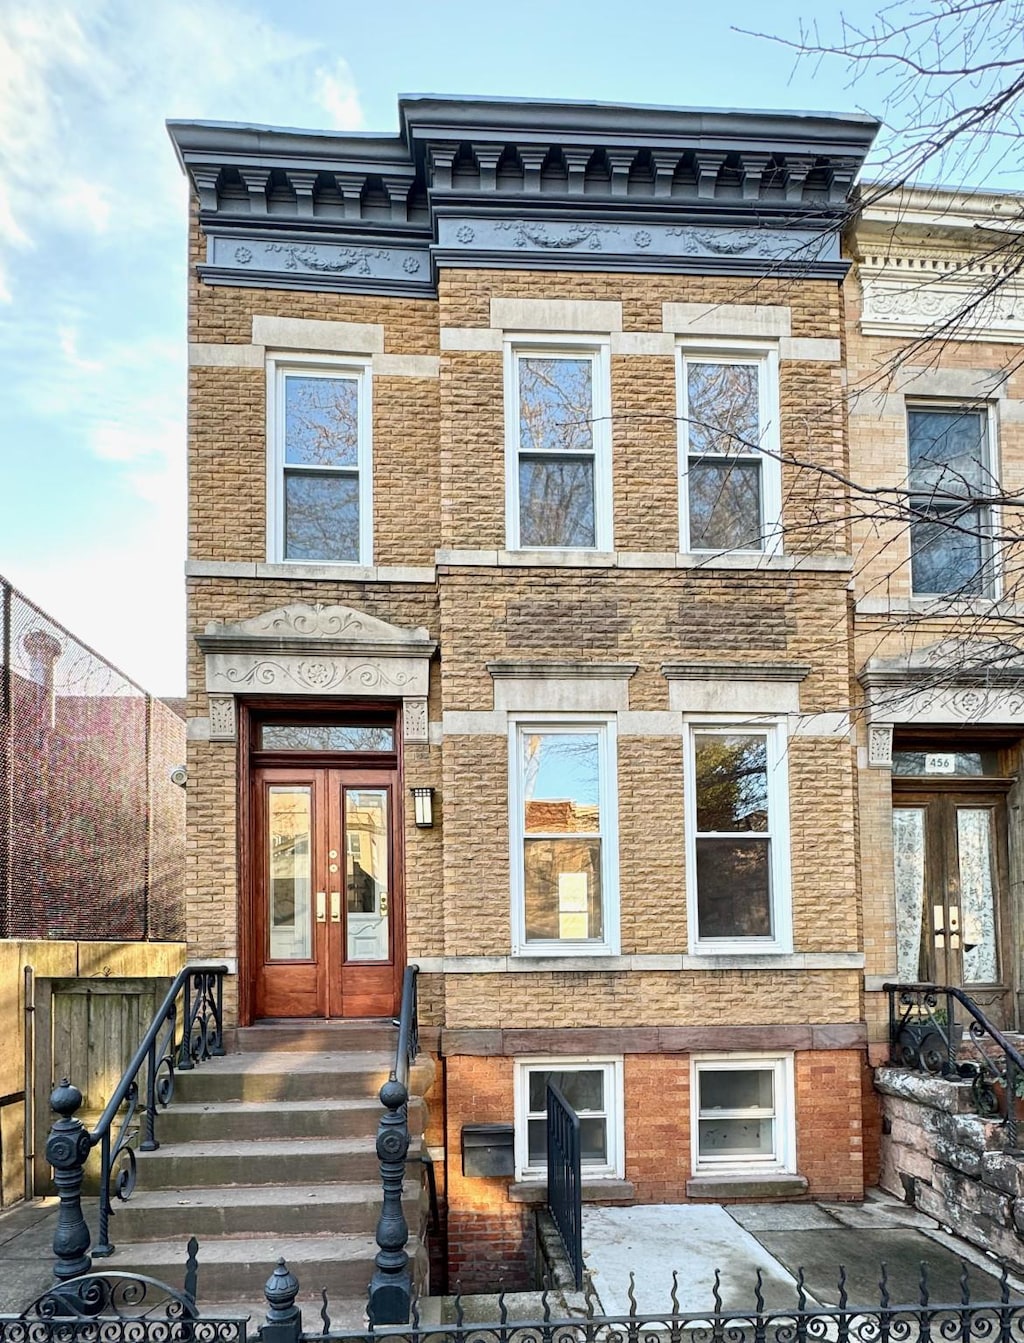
(935, 326)
(517, 445)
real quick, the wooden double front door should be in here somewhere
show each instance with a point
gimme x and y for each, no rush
(325, 904)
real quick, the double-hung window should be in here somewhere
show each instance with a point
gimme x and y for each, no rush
(737, 832)
(731, 492)
(593, 1087)
(742, 1118)
(319, 474)
(563, 824)
(951, 524)
(558, 448)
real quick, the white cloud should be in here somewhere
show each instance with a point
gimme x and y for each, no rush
(337, 94)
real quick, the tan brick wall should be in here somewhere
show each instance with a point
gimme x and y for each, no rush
(644, 411)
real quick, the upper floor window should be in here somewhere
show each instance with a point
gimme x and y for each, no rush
(731, 495)
(319, 490)
(559, 462)
(738, 847)
(950, 479)
(564, 846)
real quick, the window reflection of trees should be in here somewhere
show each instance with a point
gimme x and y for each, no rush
(556, 445)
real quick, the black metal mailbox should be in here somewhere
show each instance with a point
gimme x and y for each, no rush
(488, 1149)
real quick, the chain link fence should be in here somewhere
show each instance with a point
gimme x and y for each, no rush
(92, 830)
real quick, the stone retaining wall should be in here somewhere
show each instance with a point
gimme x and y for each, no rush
(940, 1156)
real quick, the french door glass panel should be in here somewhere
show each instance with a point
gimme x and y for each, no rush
(908, 854)
(366, 873)
(290, 925)
(977, 897)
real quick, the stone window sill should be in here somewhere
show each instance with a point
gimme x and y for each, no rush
(593, 1191)
(726, 1188)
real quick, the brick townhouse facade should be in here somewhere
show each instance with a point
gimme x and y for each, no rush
(934, 329)
(517, 457)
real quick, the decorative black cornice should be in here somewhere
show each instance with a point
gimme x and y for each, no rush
(507, 182)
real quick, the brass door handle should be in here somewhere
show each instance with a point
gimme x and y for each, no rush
(321, 906)
(384, 904)
(335, 906)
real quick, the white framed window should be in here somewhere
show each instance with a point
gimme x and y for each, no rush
(319, 465)
(737, 832)
(743, 1115)
(563, 814)
(730, 495)
(951, 478)
(593, 1087)
(558, 445)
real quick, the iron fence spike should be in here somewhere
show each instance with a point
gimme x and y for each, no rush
(502, 1308)
(675, 1291)
(546, 1303)
(460, 1317)
(924, 1283)
(1004, 1286)
(324, 1313)
(965, 1286)
(759, 1292)
(883, 1288)
(716, 1292)
(632, 1294)
(801, 1295)
(842, 1287)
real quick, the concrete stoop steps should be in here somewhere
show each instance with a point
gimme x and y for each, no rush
(269, 1152)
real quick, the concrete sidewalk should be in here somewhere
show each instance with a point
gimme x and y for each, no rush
(651, 1241)
(779, 1239)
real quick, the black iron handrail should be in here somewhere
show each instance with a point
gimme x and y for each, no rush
(390, 1295)
(565, 1185)
(173, 1041)
(928, 1037)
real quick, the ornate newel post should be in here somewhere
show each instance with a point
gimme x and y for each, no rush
(391, 1284)
(67, 1148)
(284, 1319)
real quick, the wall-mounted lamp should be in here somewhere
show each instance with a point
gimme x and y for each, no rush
(423, 799)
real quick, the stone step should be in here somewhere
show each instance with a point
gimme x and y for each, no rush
(247, 1210)
(272, 1075)
(314, 1037)
(236, 1270)
(255, 1121)
(203, 1164)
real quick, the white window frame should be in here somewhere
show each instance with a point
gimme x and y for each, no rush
(317, 365)
(597, 349)
(992, 552)
(766, 356)
(775, 732)
(611, 1066)
(605, 727)
(783, 1160)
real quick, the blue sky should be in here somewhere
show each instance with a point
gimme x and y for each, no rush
(93, 208)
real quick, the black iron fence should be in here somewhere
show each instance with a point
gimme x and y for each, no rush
(91, 825)
(565, 1191)
(939, 1029)
(122, 1308)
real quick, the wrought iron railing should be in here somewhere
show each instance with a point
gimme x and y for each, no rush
(565, 1190)
(187, 1029)
(939, 1029)
(121, 1308)
(391, 1286)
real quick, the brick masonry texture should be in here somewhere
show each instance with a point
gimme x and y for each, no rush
(439, 481)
